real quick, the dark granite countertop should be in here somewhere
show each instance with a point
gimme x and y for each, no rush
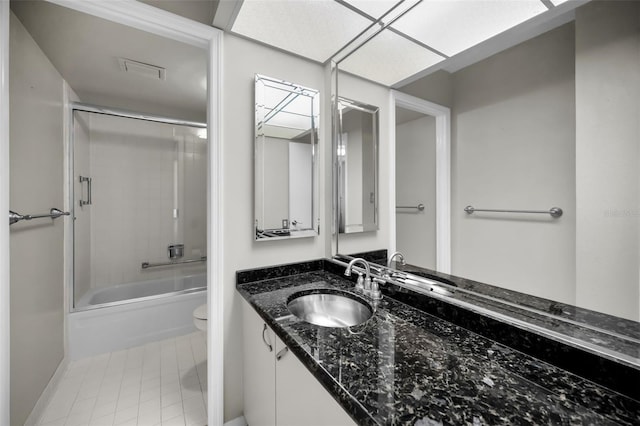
(620, 336)
(405, 366)
(603, 335)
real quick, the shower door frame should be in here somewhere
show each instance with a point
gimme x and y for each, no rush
(149, 19)
(71, 107)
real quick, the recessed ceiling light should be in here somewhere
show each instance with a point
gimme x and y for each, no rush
(451, 26)
(313, 29)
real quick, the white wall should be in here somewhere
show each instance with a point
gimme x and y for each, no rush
(513, 148)
(436, 87)
(37, 267)
(608, 157)
(416, 183)
(242, 59)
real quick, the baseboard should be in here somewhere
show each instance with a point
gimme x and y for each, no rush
(47, 394)
(238, 421)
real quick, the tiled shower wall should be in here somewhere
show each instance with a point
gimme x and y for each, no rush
(142, 172)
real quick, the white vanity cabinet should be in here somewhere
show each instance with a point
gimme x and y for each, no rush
(259, 375)
(278, 388)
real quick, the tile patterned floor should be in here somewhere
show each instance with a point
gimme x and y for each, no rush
(161, 383)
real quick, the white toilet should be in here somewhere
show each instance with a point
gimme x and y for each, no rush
(200, 317)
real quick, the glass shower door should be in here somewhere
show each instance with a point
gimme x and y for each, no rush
(139, 189)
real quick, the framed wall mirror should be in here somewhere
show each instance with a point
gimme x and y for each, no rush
(357, 166)
(286, 138)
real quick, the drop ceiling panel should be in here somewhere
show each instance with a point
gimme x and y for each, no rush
(299, 123)
(373, 8)
(389, 58)
(288, 101)
(313, 29)
(452, 26)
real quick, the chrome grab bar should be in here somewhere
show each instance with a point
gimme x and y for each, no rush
(553, 211)
(53, 214)
(419, 207)
(146, 265)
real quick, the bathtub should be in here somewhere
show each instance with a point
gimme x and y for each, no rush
(133, 314)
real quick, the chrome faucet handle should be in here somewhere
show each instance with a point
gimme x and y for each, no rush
(385, 273)
(375, 292)
(367, 284)
(360, 282)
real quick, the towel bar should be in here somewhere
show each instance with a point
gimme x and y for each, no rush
(53, 214)
(553, 211)
(419, 207)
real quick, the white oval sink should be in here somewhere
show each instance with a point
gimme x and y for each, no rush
(329, 309)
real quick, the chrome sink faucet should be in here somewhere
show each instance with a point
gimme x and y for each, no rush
(365, 285)
(399, 255)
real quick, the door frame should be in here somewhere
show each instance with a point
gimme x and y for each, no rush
(150, 19)
(442, 115)
(5, 330)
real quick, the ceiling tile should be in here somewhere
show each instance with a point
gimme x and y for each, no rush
(313, 29)
(451, 26)
(373, 8)
(389, 58)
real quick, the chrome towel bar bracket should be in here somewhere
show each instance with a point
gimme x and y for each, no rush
(555, 212)
(53, 214)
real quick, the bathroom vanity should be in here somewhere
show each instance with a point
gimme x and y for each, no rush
(278, 387)
(410, 363)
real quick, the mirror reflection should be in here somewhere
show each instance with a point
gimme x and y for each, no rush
(549, 122)
(286, 119)
(357, 161)
(415, 210)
